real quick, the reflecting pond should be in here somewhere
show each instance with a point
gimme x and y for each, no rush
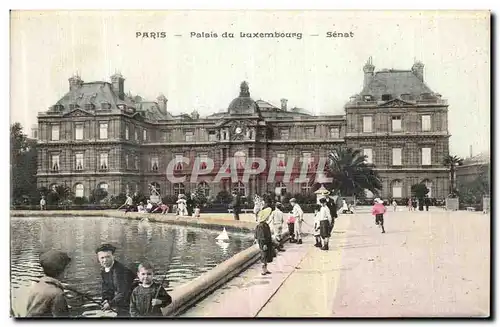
(182, 253)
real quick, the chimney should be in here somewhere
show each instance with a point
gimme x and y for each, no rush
(162, 103)
(75, 82)
(283, 104)
(418, 70)
(368, 69)
(117, 81)
(470, 150)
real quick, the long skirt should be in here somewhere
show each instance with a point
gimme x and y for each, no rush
(267, 255)
(324, 228)
(291, 229)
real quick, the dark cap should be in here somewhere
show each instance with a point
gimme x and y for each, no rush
(54, 260)
(106, 247)
(322, 200)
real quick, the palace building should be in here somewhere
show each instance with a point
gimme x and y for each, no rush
(99, 136)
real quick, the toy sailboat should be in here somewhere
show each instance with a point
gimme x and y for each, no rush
(223, 237)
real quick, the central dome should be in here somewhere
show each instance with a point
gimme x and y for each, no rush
(244, 104)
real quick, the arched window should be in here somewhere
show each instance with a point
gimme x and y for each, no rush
(104, 186)
(206, 189)
(428, 184)
(79, 190)
(239, 188)
(397, 188)
(154, 189)
(282, 188)
(53, 187)
(179, 189)
(240, 158)
(368, 194)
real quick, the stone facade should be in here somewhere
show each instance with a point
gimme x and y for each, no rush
(99, 136)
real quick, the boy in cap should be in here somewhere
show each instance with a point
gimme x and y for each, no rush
(46, 298)
(117, 281)
(148, 297)
(276, 224)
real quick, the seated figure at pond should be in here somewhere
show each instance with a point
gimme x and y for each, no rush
(117, 281)
(196, 213)
(148, 297)
(149, 206)
(46, 298)
(161, 208)
(141, 208)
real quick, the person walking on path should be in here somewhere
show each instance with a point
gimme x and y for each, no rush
(148, 297)
(46, 298)
(394, 205)
(276, 221)
(378, 210)
(43, 203)
(264, 239)
(235, 204)
(298, 214)
(316, 227)
(117, 281)
(410, 204)
(325, 223)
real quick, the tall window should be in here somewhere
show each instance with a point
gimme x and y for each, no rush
(284, 134)
(178, 188)
(306, 188)
(154, 163)
(367, 124)
(240, 158)
(426, 123)
(428, 184)
(189, 136)
(426, 156)
(396, 123)
(203, 161)
(281, 162)
(55, 133)
(396, 156)
(126, 161)
(54, 165)
(137, 163)
(178, 162)
(127, 131)
(369, 156)
(103, 131)
(137, 134)
(79, 161)
(282, 188)
(397, 189)
(79, 190)
(307, 157)
(239, 188)
(205, 188)
(212, 136)
(144, 135)
(334, 132)
(103, 161)
(78, 131)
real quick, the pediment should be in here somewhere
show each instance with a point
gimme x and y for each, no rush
(78, 113)
(396, 103)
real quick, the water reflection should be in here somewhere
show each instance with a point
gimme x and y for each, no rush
(179, 252)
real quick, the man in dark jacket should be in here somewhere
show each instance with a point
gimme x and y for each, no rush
(330, 203)
(117, 281)
(235, 204)
(46, 298)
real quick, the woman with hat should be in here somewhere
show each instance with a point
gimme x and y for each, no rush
(117, 281)
(263, 237)
(325, 223)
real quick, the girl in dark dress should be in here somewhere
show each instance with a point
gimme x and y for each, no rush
(265, 241)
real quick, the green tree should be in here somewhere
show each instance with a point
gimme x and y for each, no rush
(98, 194)
(223, 197)
(199, 197)
(419, 190)
(452, 162)
(23, 165)
(351, 174)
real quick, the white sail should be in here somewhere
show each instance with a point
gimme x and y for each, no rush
(223, 236)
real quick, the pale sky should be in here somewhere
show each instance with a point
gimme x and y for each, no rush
(316, 73)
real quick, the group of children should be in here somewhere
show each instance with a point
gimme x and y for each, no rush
(46, 298)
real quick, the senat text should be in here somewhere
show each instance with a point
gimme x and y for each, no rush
(339, 34)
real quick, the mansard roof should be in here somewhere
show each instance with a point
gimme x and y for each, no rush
(395, 83)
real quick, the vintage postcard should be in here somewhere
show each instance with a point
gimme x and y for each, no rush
(265, 163)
